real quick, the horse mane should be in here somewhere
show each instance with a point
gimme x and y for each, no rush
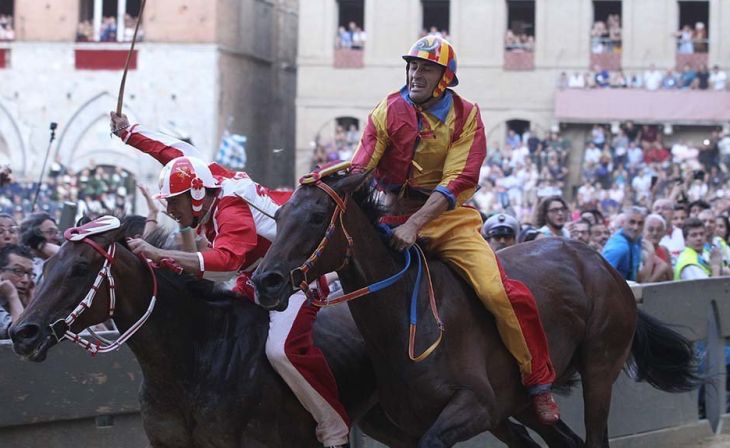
(369, 199)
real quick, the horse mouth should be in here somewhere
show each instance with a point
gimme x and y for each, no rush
(40, 352)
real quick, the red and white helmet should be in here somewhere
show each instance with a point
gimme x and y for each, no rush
(186, 174)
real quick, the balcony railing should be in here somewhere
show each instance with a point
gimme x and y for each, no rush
(695, 60)
(519, 60)
(607, 61)
(349, 58)
(100, 56)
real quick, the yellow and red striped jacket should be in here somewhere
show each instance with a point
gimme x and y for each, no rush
(439, 149)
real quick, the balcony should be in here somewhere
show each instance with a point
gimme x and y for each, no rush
(608, 61)
(519, 60)
(349, 58)
(701, 107)
(103, 56)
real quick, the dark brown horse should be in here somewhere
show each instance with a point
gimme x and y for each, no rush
(207, 381)
(471, 384)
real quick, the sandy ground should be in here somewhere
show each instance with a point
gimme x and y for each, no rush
(719, 441)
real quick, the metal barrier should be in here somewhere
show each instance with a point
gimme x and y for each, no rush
(74, 399)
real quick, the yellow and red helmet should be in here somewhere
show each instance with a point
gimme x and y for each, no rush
(184, 174)
(437, 50)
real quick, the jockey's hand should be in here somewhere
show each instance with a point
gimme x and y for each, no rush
(118, 123)
(404, 236)
(141, 247)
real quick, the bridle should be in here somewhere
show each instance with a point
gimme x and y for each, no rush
(298, 275)
(61, 329)
(315, 179)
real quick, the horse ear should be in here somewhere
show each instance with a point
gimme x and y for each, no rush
(352, 183)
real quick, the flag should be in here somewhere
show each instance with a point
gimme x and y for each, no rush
(232, 151)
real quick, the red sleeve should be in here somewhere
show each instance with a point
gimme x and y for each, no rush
(160, 146)
(236, 237)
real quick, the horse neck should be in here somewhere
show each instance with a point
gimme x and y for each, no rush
(157, 345)
(371, 262)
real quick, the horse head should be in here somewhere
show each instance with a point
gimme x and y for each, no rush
(311, 240)
(68, 278)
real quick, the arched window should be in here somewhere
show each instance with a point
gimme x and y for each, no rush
(336, 140)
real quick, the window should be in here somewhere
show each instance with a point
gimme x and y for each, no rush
(692, 37)
(435, 18)
(606, 29)
(108, 20)
(351, 25)
(7, 27)
(336, 140)
(520, 35)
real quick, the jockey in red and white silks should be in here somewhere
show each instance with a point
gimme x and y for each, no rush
(240, 228)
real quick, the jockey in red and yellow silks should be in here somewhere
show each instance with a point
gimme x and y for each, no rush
(426, 145)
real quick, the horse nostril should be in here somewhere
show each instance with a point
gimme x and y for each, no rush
(26, 333)
(272, 280)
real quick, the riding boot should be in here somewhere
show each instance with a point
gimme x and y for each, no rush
(546, 408)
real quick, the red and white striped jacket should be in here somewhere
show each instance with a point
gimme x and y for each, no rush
(240, 226)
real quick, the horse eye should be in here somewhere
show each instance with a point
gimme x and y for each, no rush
(80, 269)
(316, 218)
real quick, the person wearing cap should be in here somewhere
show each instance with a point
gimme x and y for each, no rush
(236, 215)
(500, 231)
(425, 145)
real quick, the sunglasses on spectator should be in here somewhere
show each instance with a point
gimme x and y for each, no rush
(10, 230)
(18, 272)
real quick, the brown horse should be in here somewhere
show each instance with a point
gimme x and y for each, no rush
(206, 379)
(471, 384)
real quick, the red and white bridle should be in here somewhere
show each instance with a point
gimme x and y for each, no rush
(61, 329)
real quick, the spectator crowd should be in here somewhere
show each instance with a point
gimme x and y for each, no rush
(700, 78)
(606, 35)
(108, 30)
(353, 37)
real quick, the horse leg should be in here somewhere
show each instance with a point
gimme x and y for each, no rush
(514, 435)
(463, 417)
(597, 376)
(377, 425)
(558, 435)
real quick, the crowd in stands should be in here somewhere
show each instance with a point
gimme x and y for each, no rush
(108, 30)
(29, 235)
(352, 37)
(7, 31)
(701, 78)
(692, 40)
(606, 36)
(519, 42)
(656, 213)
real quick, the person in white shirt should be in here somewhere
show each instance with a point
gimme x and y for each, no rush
(576, 81)
(653, 78)
(673, 239)
(592, 154)
(718, 78)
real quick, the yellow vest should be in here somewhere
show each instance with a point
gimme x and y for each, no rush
(690, 257)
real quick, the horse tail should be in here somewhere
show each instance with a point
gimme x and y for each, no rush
(662, 357)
